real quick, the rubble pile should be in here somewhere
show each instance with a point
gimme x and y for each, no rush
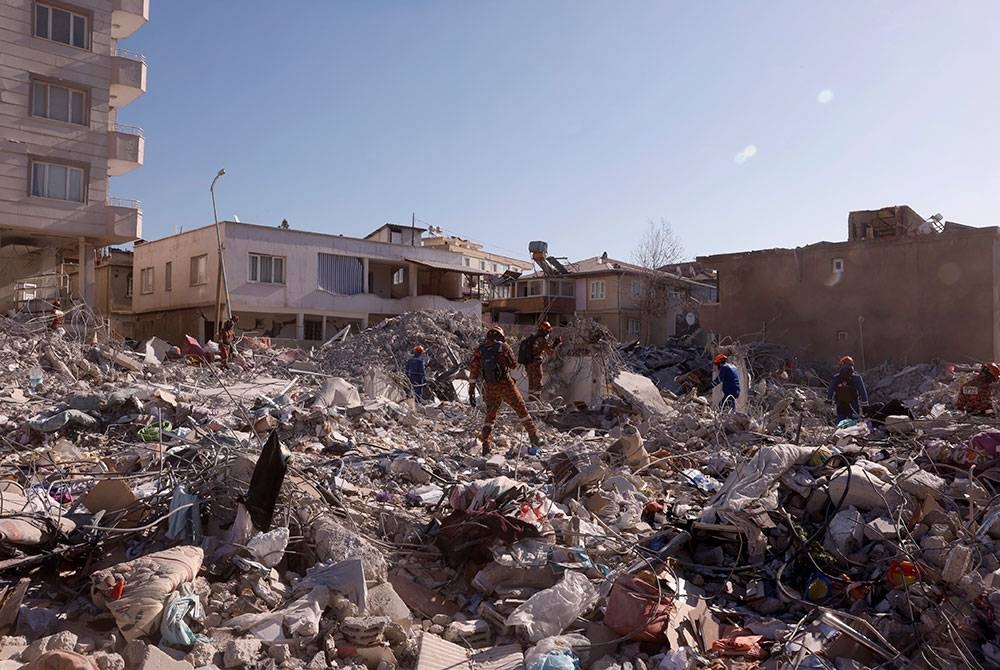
(162, 512)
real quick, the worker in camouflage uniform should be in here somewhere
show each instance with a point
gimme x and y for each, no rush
(536, 346)
(492, 361)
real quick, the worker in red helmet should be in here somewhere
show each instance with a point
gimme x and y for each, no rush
(847, 391)
(530, 353)
(976, 395)
(492, 361)
(729, 377)
(416, 371)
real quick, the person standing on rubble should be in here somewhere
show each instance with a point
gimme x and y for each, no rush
(416, 370)
(727, 375)
(976, 394)
(227, 338)
(847, 391)
(530, 354)
(492, 361)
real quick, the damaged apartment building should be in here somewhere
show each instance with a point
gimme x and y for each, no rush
(63, 80)
(902, 288)
(293, 285)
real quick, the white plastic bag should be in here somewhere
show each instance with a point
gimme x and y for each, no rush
(534, 658)
(549, 612)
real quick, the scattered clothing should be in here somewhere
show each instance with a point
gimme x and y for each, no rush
(976, 396)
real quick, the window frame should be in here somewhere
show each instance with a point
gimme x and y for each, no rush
(399, 277)
(83, 168)
(143, 273)
(253, 255)
(636, 288)
(594, 285)
(70, 89)
(834, 262)
(168, 276)
(192, 278)
(628, 327)
(74, 13)
(129, 291)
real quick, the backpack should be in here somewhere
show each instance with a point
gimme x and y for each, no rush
(526, 350)
(845, 393)
(493, 369)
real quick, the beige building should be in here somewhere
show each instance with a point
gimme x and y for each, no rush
(491, 265)
(902, 288)
(290, 284)
(63, 78)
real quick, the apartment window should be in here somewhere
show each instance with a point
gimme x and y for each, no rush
(468, 262)
(636, 287)
(632, 327)
(146, 280)
(398, 277)
(535, 288)
(62, 182)
(342, 275)
(267, 269)
(501, 292)
(396, 236)
(568, 289)
(313, 330)
(482, 265)
(60, 103)
(168, 276)
(838, 264)
(199, 270)
(841, 335)
(128, 285)
(61, 25)
(495, 268)
(598, 289)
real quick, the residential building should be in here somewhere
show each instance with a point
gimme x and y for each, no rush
(492, 284)
(902, 288)
(290, 284)
(614, 293)
(64, 79)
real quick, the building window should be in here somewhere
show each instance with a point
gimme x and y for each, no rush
(501, 292)
(495, 271)
(841, 335)
(199, 270)
(535, 288)
(62, 182)
(168, 276)
(395, 236)
(146, 280)
(468, 262)
(267, 269)
(128, 285)
(838, 264)
(61, 25)
(568, 289)
(51, 101)
(598, 289)
(482, 265)
(399, 277)
(636, 288)
(632, 327)
(342, 275)
(313, 330)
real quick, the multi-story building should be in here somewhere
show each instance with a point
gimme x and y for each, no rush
(63, 79)
(490, 264)
(291, 284)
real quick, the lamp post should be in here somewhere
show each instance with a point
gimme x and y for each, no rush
(221, 282)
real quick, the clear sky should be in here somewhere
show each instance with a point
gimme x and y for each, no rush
(745, 124)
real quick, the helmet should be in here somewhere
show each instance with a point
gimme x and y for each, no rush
(496, 333)
(992, 369)
(419, 349)
(545, 327)
(720, 359)
(846, 360)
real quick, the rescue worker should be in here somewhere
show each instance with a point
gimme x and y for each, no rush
(847, 391)
(727, 375)
(227, 336)
(976, 394)
(58, 317)
(492, 361)
(416, 370)
(538, 347)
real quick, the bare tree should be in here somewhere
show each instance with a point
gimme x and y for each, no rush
(658, 246)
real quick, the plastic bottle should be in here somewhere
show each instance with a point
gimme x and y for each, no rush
(36, 377)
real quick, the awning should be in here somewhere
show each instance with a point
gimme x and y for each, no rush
(445, 266)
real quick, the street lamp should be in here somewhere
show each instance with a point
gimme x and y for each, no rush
(221, 280)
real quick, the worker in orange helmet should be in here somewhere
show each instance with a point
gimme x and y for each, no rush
(416, 371)
(847, 391)
(530, 353)
(729, 377)
(976, 394)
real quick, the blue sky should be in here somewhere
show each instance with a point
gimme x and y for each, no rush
(574, 122)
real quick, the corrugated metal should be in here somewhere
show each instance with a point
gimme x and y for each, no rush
(341, 274)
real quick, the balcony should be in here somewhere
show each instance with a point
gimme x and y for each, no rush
(127, 16)
(126, 147)
(534, 304)
(128, 77)
(124, 220)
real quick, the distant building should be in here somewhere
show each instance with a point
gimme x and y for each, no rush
(902, 288)
(492, 266)
(63, 78)
(113, 289)
(292, 284)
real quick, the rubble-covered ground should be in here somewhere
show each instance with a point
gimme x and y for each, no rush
(298, 509)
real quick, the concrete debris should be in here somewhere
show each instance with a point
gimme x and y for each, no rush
(308, 512)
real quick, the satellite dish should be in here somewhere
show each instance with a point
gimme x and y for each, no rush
(690, 318)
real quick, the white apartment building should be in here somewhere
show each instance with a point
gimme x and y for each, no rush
(291, 284)
(63, 79)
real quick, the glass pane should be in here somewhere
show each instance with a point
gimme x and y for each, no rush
(265, 269)
(58, 103)
(41, 21)
(37, 179)
(279, 270)
(76, 107)
(39, 100)
(56, 187)
(168, 275)
(75, 184)
(253, 267)
(80, 32)
(60, 26)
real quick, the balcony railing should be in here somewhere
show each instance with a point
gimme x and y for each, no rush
(129, 203)
(128, 130)
(131, 55)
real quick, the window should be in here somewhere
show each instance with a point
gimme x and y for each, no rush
(395, 237)
(342, 275)
(501, 292)
(61, 25)
(636, 287)
(482, 265)
(568, 289)
(62, 182)
(632, 327)
(313, 330)
(495, 271)
(199, 270)
(51, 101)
(398, 277)
(146, 280)
(598, 289)
(168, 276)
(841, 335)
(838, 264)
(128, 285)
(535, 288)
(267, 269)
(468, 262)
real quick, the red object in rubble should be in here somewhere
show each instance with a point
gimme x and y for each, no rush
(118, 590)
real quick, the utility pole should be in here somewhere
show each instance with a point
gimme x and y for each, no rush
(413, 229)
(220, 281)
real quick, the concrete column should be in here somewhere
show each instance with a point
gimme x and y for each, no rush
(300, 326)
(322, 336)
(88, 279)
(411, 274)
(364, 276)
